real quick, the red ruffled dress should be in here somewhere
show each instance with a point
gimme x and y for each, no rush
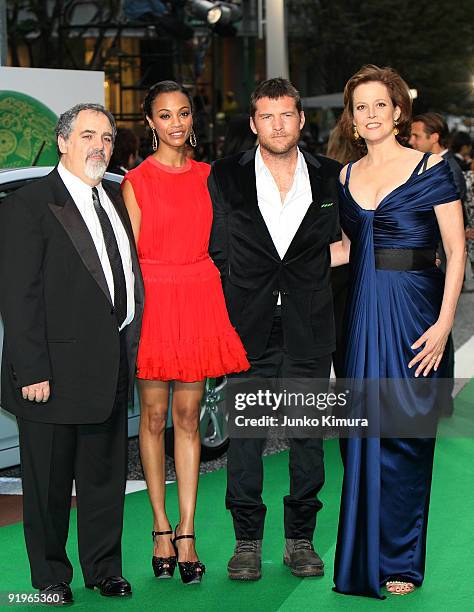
(186, 333)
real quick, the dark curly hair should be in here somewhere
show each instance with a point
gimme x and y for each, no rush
(399, 94)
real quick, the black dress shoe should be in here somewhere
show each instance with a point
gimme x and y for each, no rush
(113, 586)
(302, 559)
(57, 594)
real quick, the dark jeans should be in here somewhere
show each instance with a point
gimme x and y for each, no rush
(244, 457)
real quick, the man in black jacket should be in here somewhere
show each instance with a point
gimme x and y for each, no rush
(275, 217)
(71, 298)
(430, 133)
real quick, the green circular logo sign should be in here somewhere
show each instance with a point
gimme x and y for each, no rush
(27, 135)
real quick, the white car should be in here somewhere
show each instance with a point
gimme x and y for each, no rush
(214, 435)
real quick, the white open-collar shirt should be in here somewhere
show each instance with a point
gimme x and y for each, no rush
(81, 193)
(282, 219)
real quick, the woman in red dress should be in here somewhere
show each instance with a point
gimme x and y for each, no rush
(186, 334)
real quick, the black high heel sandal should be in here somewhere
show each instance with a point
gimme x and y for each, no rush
(191, 571)
(163, 567)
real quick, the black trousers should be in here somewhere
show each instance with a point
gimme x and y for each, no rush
(95, 456)
(306, 466)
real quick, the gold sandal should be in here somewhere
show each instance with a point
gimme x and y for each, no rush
(401, 587)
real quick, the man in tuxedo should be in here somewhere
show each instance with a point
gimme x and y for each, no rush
(275, 217)
(71, 298)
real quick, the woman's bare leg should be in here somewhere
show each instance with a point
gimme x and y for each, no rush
(187, 454)
(153, 414)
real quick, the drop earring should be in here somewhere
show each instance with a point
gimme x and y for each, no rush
(154, 141)
(356, 133)
(396, 131)
(192, 138)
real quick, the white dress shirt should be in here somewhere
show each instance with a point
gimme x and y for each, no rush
(81, 193)
(282, 219)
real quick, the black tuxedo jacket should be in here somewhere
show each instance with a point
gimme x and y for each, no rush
(58, 316)
(252, 272)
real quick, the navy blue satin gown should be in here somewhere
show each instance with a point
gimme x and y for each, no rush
(386, 488)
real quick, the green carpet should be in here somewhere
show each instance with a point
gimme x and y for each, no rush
(449, 560)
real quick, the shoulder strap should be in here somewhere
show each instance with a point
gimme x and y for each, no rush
(348, 173)
(426, 156)
(422, 164)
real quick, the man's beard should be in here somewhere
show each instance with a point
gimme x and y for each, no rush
(278, 147)
(95, 169)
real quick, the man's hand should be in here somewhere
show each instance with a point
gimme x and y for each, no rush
(39, 392)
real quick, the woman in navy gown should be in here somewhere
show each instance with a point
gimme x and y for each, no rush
(396, 204)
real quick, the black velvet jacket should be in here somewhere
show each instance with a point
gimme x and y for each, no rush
(252, 272)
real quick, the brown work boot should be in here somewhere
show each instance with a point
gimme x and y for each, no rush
(247, 560)
(302, 559)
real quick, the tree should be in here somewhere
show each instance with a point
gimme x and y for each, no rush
(430, 42)
(331, 34)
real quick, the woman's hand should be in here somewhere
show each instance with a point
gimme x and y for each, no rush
(434, 339)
